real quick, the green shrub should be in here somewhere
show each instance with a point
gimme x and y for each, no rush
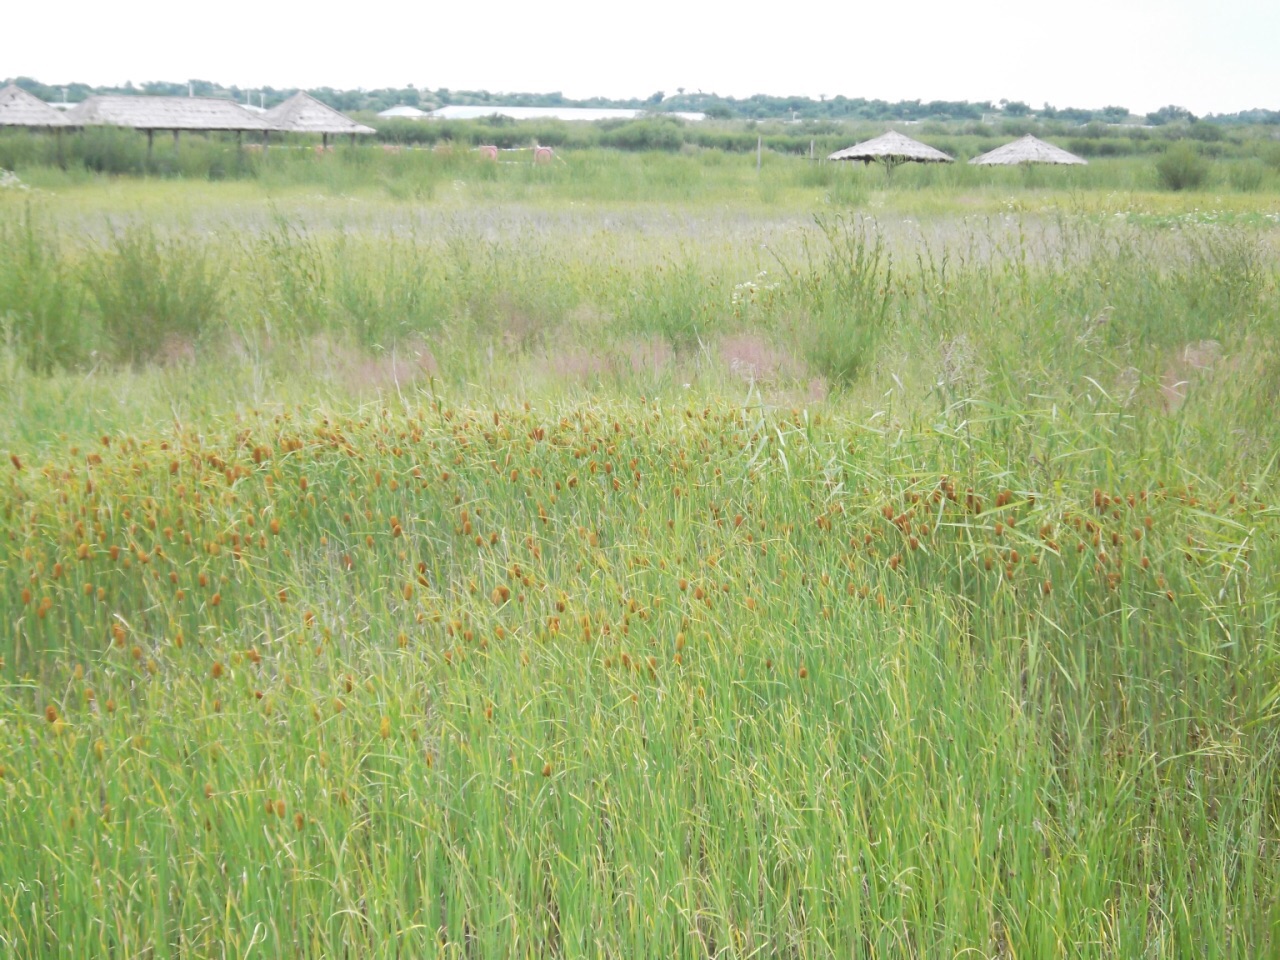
(1200, 130)
(20, 149)
(40, 316)
(153, 294)
(844, 299)
(1247, 176)
(1182, 168)
(673, 301)
(848, 187)
(111, 150)
(646, 134)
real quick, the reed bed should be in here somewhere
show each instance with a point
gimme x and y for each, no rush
(634, 678)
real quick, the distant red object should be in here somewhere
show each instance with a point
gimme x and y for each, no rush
(542, 154)
(322, 149)
(489, 152)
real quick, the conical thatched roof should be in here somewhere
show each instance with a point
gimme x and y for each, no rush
(891, 147)
(20, 109)
(1027, 150)
(302, 113)
(164, 113)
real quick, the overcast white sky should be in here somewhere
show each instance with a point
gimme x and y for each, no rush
(1217, 56)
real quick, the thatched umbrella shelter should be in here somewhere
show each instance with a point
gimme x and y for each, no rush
(20, 109)
(150, 114)
(1027, 150)
(303, 113)
(891, 149)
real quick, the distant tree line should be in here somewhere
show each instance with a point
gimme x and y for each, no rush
(758, 107)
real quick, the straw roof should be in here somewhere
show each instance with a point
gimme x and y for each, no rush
(891, 147)
(20, 109)
(302, 113)
(1027, 150)
(164, 113)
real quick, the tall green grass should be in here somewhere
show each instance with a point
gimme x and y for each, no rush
(731, 682)
(41, 302)
(491, 579)
(839, 293)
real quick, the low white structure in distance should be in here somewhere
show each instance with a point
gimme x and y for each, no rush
(588, 114)
(403, 111)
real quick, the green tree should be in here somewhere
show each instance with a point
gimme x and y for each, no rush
(1170, 114)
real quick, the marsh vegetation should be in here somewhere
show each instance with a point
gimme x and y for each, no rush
(639, 556)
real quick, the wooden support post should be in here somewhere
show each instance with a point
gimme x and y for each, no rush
(62, 160)
(810, 149)
(175, 141)
(266, 141)
(151, 136)
(324, 141)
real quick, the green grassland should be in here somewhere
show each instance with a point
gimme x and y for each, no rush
(403, 555)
